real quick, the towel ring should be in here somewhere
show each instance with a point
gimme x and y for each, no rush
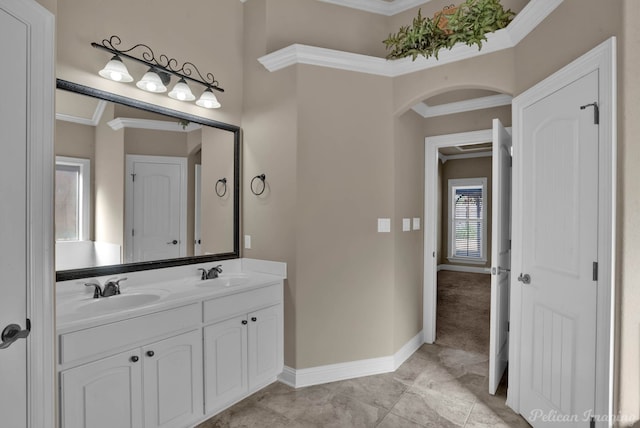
(224, 186)
(260, 177)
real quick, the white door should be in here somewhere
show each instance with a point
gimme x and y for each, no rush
(559, 161)
(500, 254)
(156, 208)
(197, 221)
(26, 240)
(173, 381)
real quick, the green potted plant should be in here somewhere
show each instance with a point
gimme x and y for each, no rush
(468, 24)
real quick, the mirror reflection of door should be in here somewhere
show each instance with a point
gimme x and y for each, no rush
(155, 205)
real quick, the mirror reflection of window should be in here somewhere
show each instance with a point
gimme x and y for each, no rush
(72, 199)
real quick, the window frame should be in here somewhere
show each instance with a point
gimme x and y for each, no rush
(453, 184)
(84, 194)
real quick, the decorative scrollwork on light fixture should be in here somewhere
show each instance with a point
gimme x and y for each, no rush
(160, 69)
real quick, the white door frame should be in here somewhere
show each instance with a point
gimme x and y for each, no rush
(602, 59)
(432, 144)
(128, 200)
(40, 285)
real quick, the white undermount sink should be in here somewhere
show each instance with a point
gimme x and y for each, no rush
(118, 302)
(225, 280)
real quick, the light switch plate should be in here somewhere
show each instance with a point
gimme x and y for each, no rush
(406, 224)
(384, 225)
(247, 242)
(416, 223)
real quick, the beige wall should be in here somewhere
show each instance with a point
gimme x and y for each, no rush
(208, 34)
(464, 168)
(628, 344)
(217, 212)
(408, 246)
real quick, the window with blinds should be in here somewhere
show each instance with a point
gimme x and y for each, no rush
(467, 219)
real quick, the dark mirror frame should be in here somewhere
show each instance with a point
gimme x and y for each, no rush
(66, 275)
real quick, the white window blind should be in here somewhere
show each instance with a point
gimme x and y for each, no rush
(467, 213)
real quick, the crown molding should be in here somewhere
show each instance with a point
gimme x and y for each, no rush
(156, 125)
(95, 119)
(379, 6)
(531, 16)
(428, 111)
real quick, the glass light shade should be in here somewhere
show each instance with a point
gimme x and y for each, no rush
(182, 92)
(116, 70)
(208, 100)
(151, 82)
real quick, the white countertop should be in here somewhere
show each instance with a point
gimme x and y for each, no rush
(158, 290)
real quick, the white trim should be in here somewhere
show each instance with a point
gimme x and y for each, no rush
(466, 182)
(380, 7)
(95, 119)
(298, 378)
(156, 125)
(530, 16)
(84, 166)
(469, 269)
(445, 158)
(431, 152)
(603, 59)
(427, 111)
(128, 205)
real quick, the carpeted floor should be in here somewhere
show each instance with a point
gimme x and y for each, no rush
(464, 303)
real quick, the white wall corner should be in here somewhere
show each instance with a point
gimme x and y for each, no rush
(350, 370)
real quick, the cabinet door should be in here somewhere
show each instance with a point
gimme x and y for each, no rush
(225, 365)
(265, 345)
(173, 381)
(103, 394)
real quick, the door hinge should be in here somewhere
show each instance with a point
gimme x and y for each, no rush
(592, 423)
(509, 243)
(133, 177)
(133, 232)
(508, 326)
(511, 161)
(596, 112)
(595, 271)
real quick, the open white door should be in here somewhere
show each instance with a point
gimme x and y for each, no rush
(500, 255)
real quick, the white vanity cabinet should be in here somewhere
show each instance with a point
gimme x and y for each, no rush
(153, 385)
(243, 352)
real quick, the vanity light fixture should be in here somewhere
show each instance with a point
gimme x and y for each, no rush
(182, 92)
(158, 77)
(116, 70)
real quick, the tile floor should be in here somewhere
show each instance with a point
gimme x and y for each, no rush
(437, 387)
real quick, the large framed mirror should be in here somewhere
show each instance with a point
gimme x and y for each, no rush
(139, 186)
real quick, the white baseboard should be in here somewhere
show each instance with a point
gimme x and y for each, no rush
(471, 269)
(352, 369)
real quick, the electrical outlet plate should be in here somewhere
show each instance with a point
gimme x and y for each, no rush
(416, 223)
(384, 225)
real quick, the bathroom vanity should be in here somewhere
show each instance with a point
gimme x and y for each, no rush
(172, 349)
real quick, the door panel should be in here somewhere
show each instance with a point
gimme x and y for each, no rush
(14, 38)
(264, 345)
(225, 354)
(500, 255)
(104, 394)
(173, 381)
(560, 226)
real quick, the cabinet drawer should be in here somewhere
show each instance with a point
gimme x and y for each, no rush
(241, 303)
(96, 340)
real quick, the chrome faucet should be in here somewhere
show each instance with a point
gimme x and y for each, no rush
(111, 288)
(211, 273)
